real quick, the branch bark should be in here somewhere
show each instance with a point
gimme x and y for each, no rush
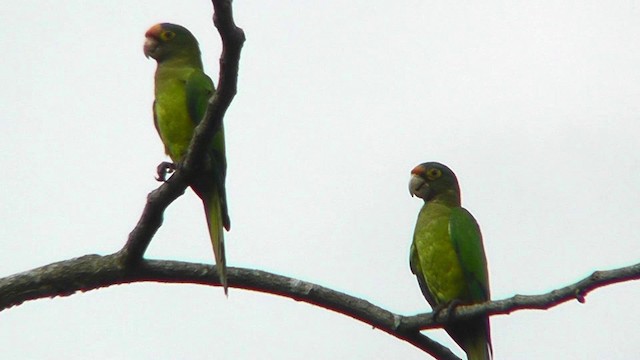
(94, 271)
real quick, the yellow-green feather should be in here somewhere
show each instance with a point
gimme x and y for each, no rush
(181, 93)
(438, 260)
(213, 211)
(174, 124)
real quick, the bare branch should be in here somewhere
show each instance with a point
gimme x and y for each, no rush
(232, 40)
(577, 291)
(93, 271)
(151, 218)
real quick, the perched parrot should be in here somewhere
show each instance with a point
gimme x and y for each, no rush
(447, 255)
(182, 91)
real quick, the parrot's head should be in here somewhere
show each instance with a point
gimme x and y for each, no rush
(164, 41)
(431, 179)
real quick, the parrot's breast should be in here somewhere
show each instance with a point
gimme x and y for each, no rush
(439, 261)
(172, 116)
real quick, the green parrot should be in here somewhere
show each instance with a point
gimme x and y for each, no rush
(182, 91)
(447, 255)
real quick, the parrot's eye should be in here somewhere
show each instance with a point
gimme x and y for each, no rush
(167, 35)
(433, 173)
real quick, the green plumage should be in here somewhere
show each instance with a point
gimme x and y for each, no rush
(182, 91)
(447, 255)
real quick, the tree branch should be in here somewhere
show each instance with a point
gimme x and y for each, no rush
(577, 291)
(93, 272)
(232, 40)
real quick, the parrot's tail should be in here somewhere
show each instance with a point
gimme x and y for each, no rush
(213, 211)
(474, 337)
(478, 349)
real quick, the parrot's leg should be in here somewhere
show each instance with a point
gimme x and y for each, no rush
(448, 306)
(163, 169)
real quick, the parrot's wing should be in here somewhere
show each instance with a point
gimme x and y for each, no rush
(414, 263)
(199, 88)
(467, 242)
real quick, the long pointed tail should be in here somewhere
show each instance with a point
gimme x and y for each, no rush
(474, 337)
(213, 211)
(478, 349)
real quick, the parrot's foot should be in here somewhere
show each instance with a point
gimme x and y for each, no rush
(163, 169)
(448, 306)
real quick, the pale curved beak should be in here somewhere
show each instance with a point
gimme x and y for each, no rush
(418, 187)
(150, 46)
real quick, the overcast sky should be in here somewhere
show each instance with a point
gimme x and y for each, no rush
(535, 106)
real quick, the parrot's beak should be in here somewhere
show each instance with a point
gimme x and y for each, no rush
(152, 41)
(150, 46)
(418, 187)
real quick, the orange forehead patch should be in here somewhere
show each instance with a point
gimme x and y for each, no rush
(418, 170)
(154, 31)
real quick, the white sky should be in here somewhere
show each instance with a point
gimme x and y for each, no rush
(534, 106)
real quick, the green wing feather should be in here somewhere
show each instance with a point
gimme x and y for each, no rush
(198, 88)
(467, 242)
(475, 335)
